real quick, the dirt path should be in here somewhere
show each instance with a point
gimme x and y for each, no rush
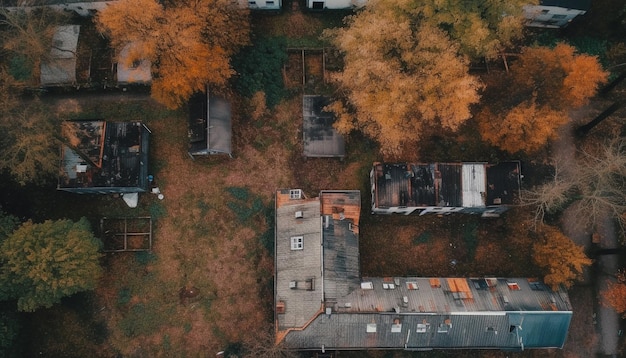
(607, 319)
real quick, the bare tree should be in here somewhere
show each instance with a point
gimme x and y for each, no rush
(550, 197)
(26, 35)
(597, 184)
(601, 181)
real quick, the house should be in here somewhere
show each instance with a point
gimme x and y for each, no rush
(127, 72)
(319, 136)
(272, 5)
(80, 7)
(444, 188)
(60, 68)
(322, 302)
(210, 126)
(334, 4)
(102, 157)
(555, 13)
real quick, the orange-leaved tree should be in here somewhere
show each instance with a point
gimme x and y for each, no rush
(400, 77)
(188, 42)
(615, 294)
(526, 109)
(559, 257)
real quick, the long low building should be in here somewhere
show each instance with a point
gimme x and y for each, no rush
(444, 188)
(322, 302)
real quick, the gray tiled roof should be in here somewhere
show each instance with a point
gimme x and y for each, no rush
(427, 331)
(349, 312)
(298, 265)
(488, 316)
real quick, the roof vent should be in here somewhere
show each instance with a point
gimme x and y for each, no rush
(299, 214)
(293, 285)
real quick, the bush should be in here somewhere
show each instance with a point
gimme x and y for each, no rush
(259, 68)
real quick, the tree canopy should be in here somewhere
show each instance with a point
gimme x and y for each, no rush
(561, 259)
(42, 263)
(189, 42)
(482, 28)
(29, 137)
(26, 39)
(399, 78)
(526, 109)
(596, 186)
(259, 69)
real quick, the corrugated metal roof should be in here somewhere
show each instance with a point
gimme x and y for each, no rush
(460, 185)
(320, 138)
(474, 187)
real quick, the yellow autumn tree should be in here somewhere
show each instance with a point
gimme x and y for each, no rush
(526, 110)
(482, 28)
(561, 259)
(188, 42)
(615, 295)
(400, 78)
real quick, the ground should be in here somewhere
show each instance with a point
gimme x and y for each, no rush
(213, 236)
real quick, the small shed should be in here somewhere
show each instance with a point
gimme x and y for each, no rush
(60, 67)
(101, 157)
(132, 72)
(210, 125)
(320, 138)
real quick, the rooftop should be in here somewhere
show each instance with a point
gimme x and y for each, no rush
(210, 125)
(445, 184)
(323, 303)
(100, 154)
(61, 68)
(132, 72)
(320, 138)
(316, 252)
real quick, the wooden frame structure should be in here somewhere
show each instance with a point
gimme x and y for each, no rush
(126, 234)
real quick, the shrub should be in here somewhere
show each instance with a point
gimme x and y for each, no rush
(259, 68)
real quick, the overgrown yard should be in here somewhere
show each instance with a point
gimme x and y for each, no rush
(207, 283)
